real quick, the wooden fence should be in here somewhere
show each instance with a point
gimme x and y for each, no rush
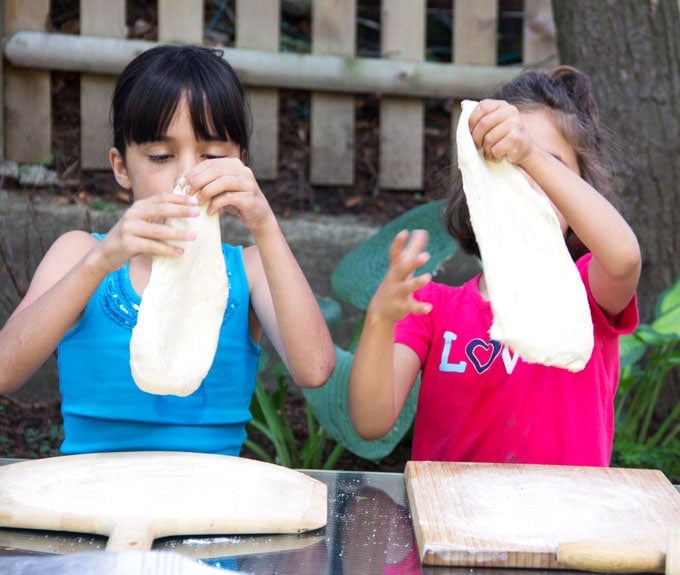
(331, 71)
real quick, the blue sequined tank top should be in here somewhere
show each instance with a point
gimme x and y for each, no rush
(103, 409)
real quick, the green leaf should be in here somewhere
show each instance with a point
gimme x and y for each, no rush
(99, 205)
(358, 274)
(668, 300)
(46, 161)
(668, 323)
(330, 404)
(631, 349)
(273, 426)
(331, 310)
(259, 451)
(650, 337)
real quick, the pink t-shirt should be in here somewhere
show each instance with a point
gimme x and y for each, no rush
(480, 402)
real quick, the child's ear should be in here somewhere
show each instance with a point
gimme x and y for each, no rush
(119, 170)
(244, 157)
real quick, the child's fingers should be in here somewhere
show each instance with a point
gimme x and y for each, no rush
(159, 234)
(394, 296)
(397, 245)
(409, 303)
(162, 212)
(414, 255)
(418, 240)
(484, 116)
(161, 206)
(420, 307)
(490, 132)
(418, 282)
(406, 246)
(166, 198)
(213, 177)
(147, 220)
(223, 188)
(497, 128)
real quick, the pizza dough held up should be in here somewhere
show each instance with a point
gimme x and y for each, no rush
(174, 342)
(539, 302)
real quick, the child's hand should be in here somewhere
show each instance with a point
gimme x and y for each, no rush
(393, 299)
(497, 128)
(230, 185)
(142, 229)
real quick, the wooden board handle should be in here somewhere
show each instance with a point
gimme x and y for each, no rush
(131, 536)
(673, 551)
(605, 557)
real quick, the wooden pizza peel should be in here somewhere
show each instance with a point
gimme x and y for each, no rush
(516, 516)
(135, 497)
(24, 541)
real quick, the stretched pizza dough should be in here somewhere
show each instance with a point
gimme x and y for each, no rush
(539, 302)
(174, 341)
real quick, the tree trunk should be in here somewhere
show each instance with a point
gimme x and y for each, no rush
(631, 50)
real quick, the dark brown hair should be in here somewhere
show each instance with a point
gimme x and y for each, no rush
(150, 87)
(567, 94)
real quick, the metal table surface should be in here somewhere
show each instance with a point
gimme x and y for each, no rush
(369, 531)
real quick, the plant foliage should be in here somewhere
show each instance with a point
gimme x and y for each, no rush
(648, 357)
(317, 451)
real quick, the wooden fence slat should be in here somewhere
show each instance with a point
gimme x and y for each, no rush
(539, 46)
(331, 73)
(331, 116)
(180, 21)
(402, 120)
(475, 26)
(27, 93)
(258, 25)
(106, 19)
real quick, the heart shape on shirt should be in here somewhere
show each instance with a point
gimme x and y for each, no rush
(482, 353)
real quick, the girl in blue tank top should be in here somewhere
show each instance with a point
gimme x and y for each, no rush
(177, 111)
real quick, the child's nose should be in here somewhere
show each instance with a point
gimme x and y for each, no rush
(187, 163)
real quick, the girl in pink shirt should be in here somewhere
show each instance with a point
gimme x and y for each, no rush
(480, 401)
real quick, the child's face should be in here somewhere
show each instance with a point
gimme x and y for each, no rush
(154, 167)
(543, 129)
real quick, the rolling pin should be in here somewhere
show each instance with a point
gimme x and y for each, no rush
(603, 557)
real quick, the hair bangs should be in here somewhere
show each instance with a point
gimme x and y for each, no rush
(217, 107)
(150, 88)
(148, 118)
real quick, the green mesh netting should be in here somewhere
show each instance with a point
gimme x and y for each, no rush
(358, 274)
(330, 405)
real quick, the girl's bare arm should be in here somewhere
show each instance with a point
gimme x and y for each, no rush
(383, 373)
(287, 308)
(615, 268)
(69, 274)
(59, 291)
(281, 297)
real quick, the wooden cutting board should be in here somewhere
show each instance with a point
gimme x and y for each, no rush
(492, 515)
(135, 497)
